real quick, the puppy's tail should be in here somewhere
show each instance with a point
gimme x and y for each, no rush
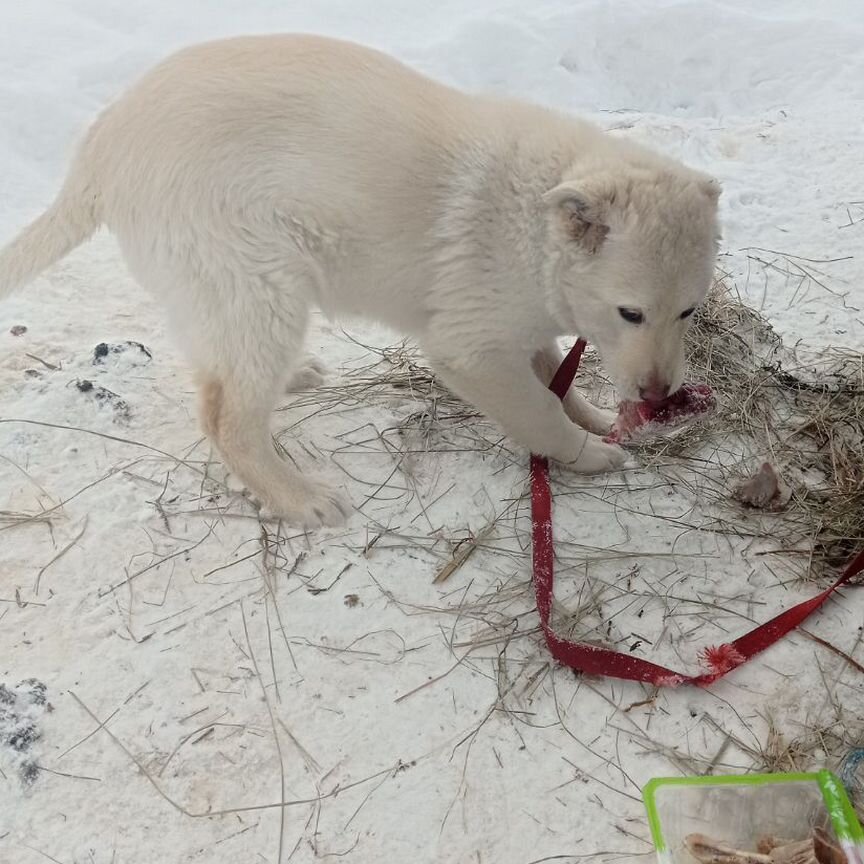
(68, 222)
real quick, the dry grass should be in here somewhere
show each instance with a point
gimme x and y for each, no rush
(804, 415)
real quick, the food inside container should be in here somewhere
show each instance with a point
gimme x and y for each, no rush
(753, 819)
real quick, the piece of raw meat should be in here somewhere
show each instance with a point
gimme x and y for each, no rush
(641, 419)
(765, 490)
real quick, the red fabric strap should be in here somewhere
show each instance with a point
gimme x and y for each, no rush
(593, 660)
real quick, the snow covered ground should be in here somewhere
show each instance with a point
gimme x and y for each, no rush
(199, 668)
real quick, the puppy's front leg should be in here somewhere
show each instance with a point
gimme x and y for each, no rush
(597, 420)
(504, 387)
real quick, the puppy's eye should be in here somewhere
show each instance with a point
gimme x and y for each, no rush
(687, 313)
(633, 316)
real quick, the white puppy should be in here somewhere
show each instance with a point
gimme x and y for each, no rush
(250, 179)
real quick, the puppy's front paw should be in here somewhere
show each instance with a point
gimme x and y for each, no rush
(600, 420)
(596, 457)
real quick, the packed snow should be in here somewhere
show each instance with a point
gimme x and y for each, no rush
(172, 672)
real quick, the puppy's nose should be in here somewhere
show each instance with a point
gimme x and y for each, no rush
(654, 391)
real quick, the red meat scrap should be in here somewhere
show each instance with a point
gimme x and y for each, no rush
(764, 490)
(643, 419)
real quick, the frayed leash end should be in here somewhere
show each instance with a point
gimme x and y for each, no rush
(721, 659)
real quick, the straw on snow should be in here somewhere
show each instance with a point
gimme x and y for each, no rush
(804, 415)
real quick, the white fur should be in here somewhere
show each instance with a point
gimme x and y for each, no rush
(250, 179)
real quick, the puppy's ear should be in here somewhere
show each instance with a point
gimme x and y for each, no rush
(583, 214)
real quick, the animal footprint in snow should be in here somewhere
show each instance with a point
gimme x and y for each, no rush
(101, 396)
(133, 353)
(21, 710)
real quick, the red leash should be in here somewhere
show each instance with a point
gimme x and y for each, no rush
(593, 660)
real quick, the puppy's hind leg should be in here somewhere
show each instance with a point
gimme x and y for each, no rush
(238, 390)
(308, 375)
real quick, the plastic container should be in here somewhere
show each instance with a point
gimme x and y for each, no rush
(742, 811)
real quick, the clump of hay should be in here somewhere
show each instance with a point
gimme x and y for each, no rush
(397, 377)
(803, 415)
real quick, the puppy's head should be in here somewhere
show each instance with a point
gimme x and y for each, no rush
(632, 258)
